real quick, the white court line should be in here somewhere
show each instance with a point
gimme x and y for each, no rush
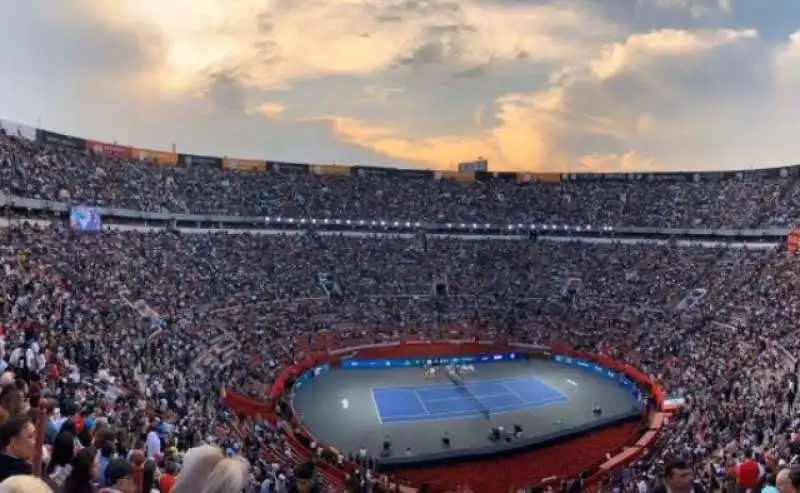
(377, 409)
(497, 410)
(573, 382)
(458, 398)
(450, 385)
(514, 393)
(424, 407)
(470, 413)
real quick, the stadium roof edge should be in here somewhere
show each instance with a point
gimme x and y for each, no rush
(225, 162)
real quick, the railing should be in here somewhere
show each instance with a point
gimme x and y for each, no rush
(344, 224)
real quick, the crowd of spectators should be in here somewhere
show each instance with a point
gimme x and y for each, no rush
(80, 297)
(31, 169)
(130, 337)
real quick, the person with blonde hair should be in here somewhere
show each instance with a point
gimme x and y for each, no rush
(24, 484)
(207, 470)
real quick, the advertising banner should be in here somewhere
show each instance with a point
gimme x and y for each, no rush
(284, 167)
(329, 169)
(444, 360)
(195, 161)
(455, 175)
(424, 174)
(114, 150)
(547, 177)
(477, 166)
(159, 157)
(60, 140)
(244, 164)
(671, 176)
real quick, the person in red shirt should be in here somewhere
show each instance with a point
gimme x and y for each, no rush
(167, 479)
(748, 472)
(77, 420)
(52, 372)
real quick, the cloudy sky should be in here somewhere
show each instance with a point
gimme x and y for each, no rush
(542, 85)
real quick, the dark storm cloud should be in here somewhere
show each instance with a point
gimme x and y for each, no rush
(444, 43)
(471, 73)
(430, 53)
(227, 92)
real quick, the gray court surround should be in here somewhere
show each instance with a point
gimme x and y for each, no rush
(320, 405)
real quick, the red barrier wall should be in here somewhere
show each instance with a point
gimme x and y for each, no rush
(241, 404)
(252, 407)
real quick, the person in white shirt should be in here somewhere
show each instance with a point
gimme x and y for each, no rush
(17, 357)
(153, 442)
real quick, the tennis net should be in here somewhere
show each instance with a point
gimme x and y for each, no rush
(458, 380)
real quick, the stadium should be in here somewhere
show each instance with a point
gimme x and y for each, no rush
(556, 343)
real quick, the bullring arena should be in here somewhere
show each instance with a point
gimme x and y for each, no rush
(293, 323)
(355, 399)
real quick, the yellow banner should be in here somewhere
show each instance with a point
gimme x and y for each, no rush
(457, 176)
(329, 169)
(160, 157)
(244, 164)
(548, 177)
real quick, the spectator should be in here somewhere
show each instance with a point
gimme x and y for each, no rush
(12, 401)
(748, 472)
(167, 479)
(106, 455)
(304, 480)
(149, 479)
(153, 441)
(678, 477)
(207, 470)
(61, 457)
(82, 472)
(18, 446)
(51, 428)
(118, 477)
(24, 484)
(769, 484)
(788, 480)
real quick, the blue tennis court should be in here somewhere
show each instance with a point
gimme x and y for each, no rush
(474, 399)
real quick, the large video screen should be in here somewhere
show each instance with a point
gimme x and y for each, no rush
(84, 218)
(449, 360)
